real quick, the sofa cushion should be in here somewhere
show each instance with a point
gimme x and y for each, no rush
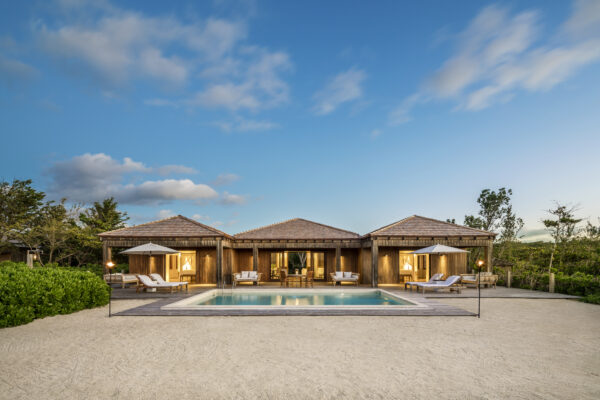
(347, 274)
(252, 274)
(244, 274)
(339, 274)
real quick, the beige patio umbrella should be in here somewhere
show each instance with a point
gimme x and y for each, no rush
(150, 249)
(439, 249)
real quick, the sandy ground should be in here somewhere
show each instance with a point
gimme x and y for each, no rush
(520, 349)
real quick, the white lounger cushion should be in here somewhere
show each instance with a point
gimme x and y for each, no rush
(160, 280)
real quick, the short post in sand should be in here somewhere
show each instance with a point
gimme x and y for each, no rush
(479, 268)
(110, 265)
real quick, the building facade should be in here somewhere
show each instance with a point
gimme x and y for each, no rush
(381, 257)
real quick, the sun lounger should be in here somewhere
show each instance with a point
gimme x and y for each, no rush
(347, 276)
(434, 278)
(247, 276)
(159, 279)
(147, 283)
(447, 284)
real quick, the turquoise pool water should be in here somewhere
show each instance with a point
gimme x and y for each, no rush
(302, 298)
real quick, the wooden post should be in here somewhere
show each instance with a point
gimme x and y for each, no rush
(106, 256)
(551, 283)
(255, 258)
(374, 262)
(508, 278)
(219, 262)
(338, 258)
(488, 256)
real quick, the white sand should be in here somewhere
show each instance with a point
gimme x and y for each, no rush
(520, 349)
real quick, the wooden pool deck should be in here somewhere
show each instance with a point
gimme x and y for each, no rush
(430, 300)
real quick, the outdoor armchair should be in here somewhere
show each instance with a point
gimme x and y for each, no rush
(123, 279)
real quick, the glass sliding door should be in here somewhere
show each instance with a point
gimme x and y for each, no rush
(318, 263)
(276, 265)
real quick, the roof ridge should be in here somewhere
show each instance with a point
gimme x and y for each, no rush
(210, 228)
(295, 219)
(178, 216)
(428, 219)
(450, 223)
(144, 224)
(390, 225)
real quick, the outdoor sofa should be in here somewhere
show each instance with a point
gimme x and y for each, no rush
(123, 279)
(440, 285)
(434, 278)
(246, 276)
(346, 276)
(160, 279)
(488, 279)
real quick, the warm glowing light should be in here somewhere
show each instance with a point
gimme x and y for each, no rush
(407, 267)
(110, 264)
(480, 263)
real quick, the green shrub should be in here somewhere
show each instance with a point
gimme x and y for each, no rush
(30, 293)
(592, 298)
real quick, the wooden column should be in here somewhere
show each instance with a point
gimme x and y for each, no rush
(338, 258)
(255, 258)
(106, 255)
(219, 262)
(374, 262)
(488, 256)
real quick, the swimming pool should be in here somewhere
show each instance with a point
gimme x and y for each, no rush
(292, 299)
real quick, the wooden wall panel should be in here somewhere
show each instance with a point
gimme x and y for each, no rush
(349, 260)
(138, 264)
(329, 263)
(449, 264)
(206, 268)
(388, 267)
(245, 259)
(264, 264)
(364, 265)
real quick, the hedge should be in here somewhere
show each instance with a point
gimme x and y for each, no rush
(30, 293)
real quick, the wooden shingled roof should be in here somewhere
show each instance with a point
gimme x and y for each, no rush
(421, 226)
(177, 226)
(297, 228)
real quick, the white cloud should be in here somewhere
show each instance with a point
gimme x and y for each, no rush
(174, 169)
(500, 54)
(92, 177)
(225, 179)
(163, 191)
(199, 217)
(115, 47)
(162, 214)
(258, 86)
(231, 199)
(240, 124)
(12, 71)
(344, 87)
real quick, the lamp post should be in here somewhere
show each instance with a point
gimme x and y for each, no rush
(479, 265)
(110, 265)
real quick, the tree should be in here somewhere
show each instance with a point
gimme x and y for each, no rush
(562, 228)
(19, 208)
(493, 207)
(451, 220)
(104, 216)
(592, 232)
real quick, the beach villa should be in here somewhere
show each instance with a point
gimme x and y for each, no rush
(382, 257)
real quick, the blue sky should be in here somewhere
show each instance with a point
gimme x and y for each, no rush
(354, 114)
